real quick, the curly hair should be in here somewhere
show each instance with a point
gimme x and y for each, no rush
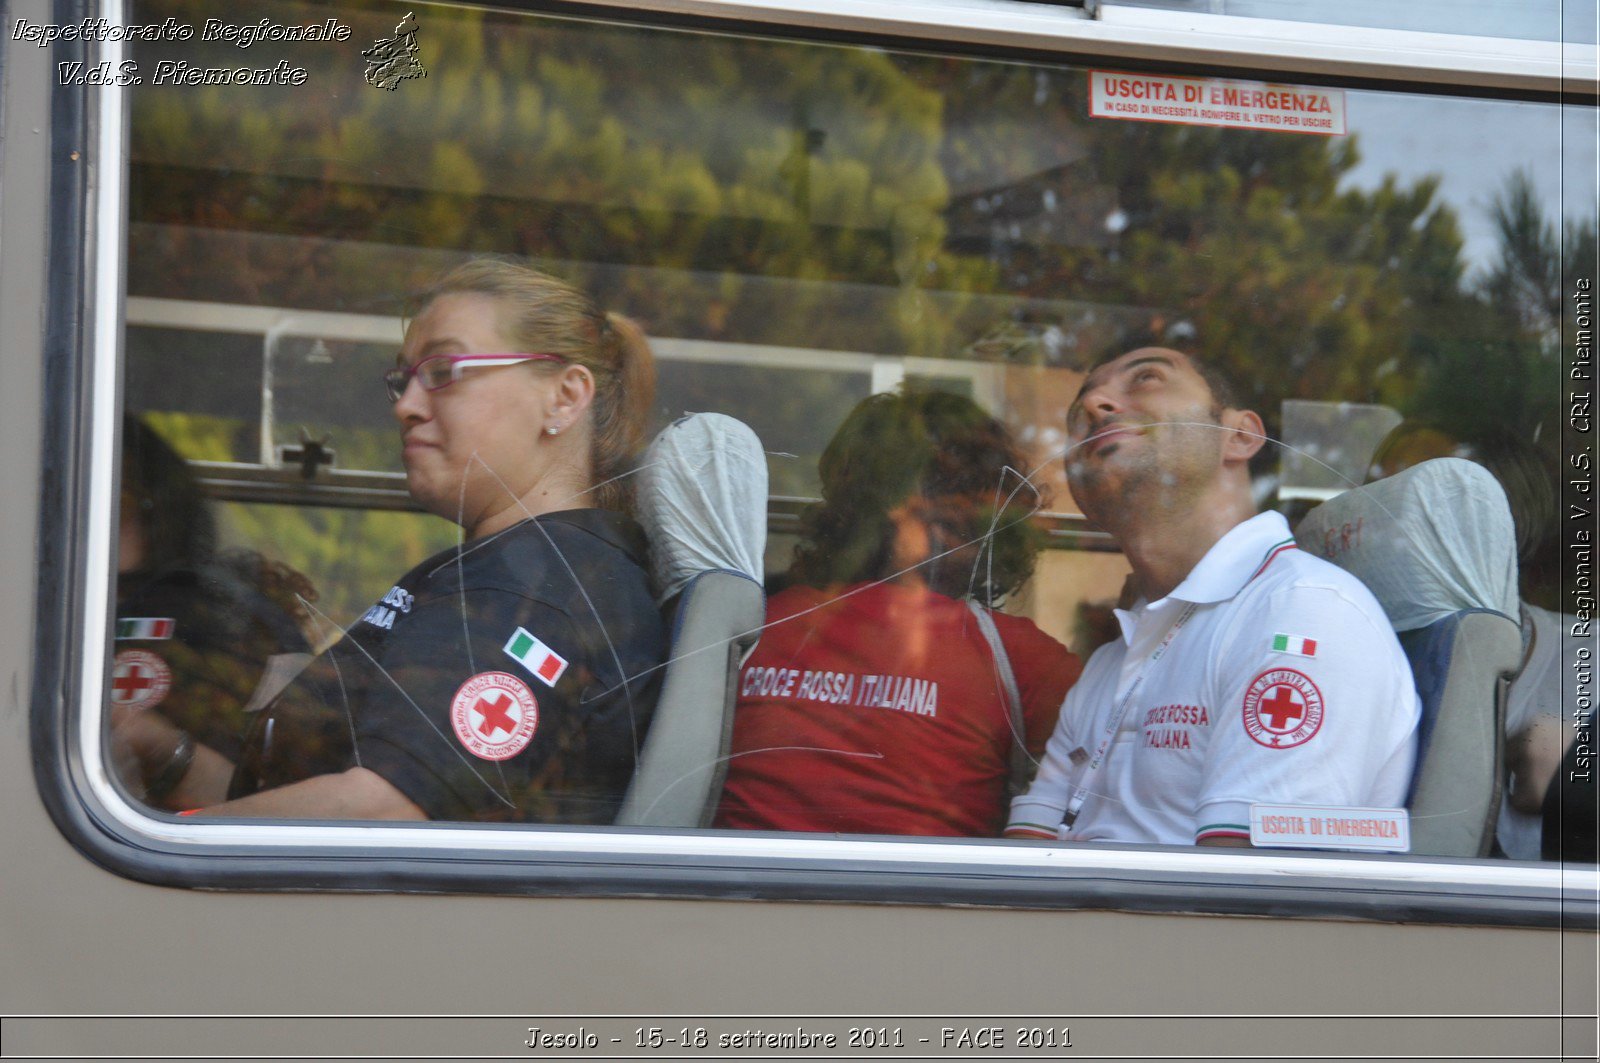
(956, 465)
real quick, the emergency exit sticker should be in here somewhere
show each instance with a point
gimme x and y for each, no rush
(1216, 102)
(1380, 830)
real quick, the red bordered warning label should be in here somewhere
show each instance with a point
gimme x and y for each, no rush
(139, 679)
(494, 714)
(1216, 102)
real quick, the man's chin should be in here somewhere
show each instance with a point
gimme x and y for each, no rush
(1100, 487)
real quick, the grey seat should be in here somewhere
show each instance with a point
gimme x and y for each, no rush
(683, 762)
(702, 500)
(1436, 546)
(1462, 665)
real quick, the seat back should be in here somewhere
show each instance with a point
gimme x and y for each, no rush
(702, 500)
(1436, 546)
(678, 780)
(1462, 666)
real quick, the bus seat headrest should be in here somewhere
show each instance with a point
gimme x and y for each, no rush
(703, 501)
(1430, 541)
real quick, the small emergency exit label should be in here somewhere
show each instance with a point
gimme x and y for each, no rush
(1382, 830)
(1216, 102)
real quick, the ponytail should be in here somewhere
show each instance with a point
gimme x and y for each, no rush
(622, 410)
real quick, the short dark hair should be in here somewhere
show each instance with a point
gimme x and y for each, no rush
(1225, 390)
(932, 445)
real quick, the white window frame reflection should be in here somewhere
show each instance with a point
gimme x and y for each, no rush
(883, 373)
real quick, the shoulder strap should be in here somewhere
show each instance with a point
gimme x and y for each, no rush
(1020, 761)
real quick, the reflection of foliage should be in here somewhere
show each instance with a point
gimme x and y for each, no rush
(805, 196)
(717, 156)
(1525, 284)
(1506, 341)
(1243, 238)
(1494, 385)
(352, 556)
(196, 436)
(681, 175)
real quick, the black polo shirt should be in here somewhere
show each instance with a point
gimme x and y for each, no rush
(511, 678)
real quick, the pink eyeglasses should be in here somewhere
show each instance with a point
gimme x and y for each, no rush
(441, 370)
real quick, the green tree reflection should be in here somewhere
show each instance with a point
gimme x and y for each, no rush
(818, 198)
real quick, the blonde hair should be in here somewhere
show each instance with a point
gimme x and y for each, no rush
(545, 314)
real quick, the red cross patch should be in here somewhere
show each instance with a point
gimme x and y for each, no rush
(1282, 708)
(139, 679)
(494, 714)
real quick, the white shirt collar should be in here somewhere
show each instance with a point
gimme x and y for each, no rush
(1233, 561)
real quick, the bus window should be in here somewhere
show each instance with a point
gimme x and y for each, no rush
(897, 264)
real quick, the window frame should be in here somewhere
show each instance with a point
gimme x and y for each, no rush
(1106, 31)
(86, 312)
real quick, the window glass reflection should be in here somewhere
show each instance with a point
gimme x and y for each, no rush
(803, 231)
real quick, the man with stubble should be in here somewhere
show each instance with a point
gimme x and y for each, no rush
(1248, 673)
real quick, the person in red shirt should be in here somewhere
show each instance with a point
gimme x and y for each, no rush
(874, 703)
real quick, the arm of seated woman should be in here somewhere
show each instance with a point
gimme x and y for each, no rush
(354, 794)
(145, 746)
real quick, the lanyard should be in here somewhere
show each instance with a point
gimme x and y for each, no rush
(1113, 725)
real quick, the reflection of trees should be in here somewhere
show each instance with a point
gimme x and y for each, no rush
(713, 166)
(1303, 290)
(760, 191)
(352, 556)
(1525, 283)
(1500, 367)
(1496, 383)
(717, 158)
(677, 170)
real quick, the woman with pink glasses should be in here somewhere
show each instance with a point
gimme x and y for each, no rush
(511, 677)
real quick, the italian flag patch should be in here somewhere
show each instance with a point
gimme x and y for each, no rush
(1298, 645)
(545, 664)
(146, 627)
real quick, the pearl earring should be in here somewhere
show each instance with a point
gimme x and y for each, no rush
(552, 430)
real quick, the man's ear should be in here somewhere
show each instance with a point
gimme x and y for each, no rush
(1245, 436)
(573, 393)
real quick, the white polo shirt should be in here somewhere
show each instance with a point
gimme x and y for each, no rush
(1285, 685)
